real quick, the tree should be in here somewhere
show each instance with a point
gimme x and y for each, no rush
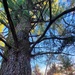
(67, 64)
(52, 70)
(30, 25)
(36, 70)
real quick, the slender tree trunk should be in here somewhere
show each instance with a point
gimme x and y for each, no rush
(18, 58)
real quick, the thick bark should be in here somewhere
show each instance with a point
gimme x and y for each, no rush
(18, 61)
(18, 58)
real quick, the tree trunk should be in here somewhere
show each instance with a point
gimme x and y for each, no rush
(18, 59)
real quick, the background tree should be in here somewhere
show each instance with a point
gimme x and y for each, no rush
(52, 70)
(34, 28)
(36, 70)
(67, 64)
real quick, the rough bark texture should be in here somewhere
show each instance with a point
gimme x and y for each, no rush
(18, 58)
(18, 61)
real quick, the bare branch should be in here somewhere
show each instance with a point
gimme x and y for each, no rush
(44, 53)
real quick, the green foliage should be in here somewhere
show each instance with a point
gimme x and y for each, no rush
(20, 2)
(1, 5)
(17, 10)
(15, 4)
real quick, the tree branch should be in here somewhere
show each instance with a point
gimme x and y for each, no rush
(44, 53)
(68, 38)
(3, 56)
(58, 38)
(50, 23)
(50, 10)
(65, 22)
(10, 23)
(5, 43)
